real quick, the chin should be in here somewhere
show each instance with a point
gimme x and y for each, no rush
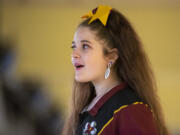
(82, 80)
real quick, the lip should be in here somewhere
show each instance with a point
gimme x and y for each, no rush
(77, 69)
(78, 66)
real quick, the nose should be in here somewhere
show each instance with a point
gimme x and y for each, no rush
(75, 54)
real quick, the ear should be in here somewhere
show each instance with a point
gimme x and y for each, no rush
(113, 55)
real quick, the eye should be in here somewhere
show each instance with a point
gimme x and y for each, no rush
(73, 46)
(85, 46)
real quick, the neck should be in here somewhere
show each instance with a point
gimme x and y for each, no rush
(104, 85)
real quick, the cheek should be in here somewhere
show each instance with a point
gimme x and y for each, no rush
(96, 65)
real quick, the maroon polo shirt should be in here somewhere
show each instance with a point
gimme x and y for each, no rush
(119, 112)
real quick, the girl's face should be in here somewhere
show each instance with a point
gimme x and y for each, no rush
(87, 56)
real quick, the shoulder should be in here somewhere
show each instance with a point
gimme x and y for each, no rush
(136, 118)
(138, 109)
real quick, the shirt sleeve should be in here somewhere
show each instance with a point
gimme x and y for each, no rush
(135, 119)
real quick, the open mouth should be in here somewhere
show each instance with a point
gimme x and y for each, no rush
(78, 67)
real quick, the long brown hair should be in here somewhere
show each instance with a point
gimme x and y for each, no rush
(132, 66)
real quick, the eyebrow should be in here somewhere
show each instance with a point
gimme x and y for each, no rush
(73, 42)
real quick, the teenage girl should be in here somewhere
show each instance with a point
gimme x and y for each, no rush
(114, 91)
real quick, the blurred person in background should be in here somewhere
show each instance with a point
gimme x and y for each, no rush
(25, 108)
(114, 91)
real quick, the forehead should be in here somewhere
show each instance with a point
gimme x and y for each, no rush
(84, 33)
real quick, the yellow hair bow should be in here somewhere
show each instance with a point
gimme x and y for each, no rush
(102, 14)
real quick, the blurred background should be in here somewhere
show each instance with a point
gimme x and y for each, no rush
(35, 41)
